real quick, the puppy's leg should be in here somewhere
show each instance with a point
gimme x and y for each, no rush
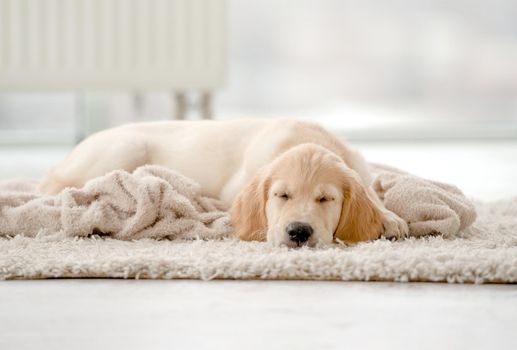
(95, 156)
(234, 186)
(51, 184)
(394, 226)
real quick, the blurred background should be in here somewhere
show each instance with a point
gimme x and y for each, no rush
(428, 86)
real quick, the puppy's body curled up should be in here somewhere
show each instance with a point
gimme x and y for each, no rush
(288, 182)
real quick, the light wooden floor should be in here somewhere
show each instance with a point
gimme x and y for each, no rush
(91, 314)
(113, 314)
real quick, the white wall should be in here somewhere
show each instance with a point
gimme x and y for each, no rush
(357, 62)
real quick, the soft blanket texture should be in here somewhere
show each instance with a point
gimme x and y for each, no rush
(429, 207)
(154, 202)
(151, 202)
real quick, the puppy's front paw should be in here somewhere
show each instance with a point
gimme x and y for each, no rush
(394, 226)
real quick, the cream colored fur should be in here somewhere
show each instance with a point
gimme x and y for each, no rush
(224, 157)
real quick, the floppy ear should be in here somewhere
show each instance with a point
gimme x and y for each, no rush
(248, 211)
(360, 219)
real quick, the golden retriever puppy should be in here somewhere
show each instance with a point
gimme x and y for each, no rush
(307, 195)
(288, 182)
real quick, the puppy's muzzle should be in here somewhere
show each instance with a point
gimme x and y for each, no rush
(299, 232)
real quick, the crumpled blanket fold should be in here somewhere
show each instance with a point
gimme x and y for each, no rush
(156, 202)
(429, 207)
(151, 202)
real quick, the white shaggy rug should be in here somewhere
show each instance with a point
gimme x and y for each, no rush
(484, 253)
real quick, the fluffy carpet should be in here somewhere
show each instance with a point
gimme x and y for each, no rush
(483, 253)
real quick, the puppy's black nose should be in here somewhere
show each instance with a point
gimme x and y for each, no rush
(299, 232)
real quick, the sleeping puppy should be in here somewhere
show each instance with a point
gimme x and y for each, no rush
(288, 182)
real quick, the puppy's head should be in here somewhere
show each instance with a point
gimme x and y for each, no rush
(306, 196)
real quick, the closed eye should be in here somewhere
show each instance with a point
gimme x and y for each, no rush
(284, 196)
(325, 199)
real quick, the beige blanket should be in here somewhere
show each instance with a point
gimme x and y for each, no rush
(156, 202)
(151, 202)
(429, 207)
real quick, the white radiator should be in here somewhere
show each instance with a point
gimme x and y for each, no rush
(128, 44)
